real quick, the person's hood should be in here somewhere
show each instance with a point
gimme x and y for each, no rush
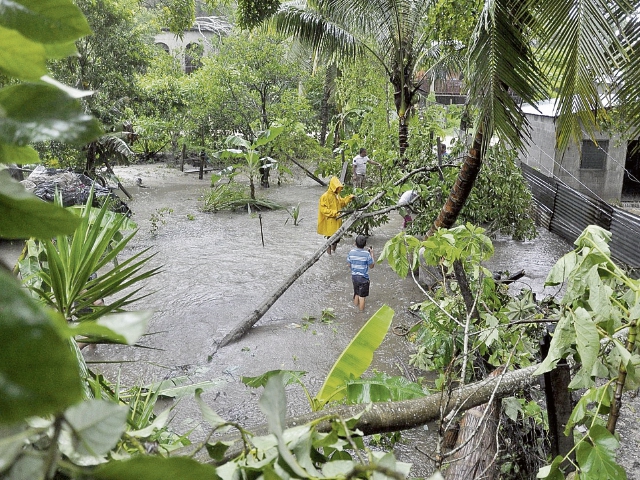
(335, 184)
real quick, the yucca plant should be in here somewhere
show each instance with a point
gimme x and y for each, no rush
(73, 274)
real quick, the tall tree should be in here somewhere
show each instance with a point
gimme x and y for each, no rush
(528, 50)
(108, 60)
(393, 33)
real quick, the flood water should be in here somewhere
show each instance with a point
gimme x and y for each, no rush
(216, 272)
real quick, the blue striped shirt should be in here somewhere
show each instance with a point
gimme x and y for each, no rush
(360, 259)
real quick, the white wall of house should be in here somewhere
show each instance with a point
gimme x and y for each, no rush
(177, 44)
(604, 183)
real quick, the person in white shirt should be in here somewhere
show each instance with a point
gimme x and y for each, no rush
(405, 201)
(360, 168)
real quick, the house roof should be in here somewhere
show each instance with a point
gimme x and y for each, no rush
(549, 107)
(546, 108)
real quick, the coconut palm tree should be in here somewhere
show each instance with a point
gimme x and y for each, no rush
(392, 33)
(570, 50)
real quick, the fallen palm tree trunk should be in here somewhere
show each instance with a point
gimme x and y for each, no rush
(407, 414)
(240, 330)
(309, 174)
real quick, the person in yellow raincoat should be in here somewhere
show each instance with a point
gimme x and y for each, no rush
(328, 210)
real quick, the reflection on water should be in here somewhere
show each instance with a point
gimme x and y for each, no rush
(216, 272)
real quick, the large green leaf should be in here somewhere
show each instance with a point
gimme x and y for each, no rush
(288, 377)
(215, 420)
(178, 387)
(155, 468)
(96, 425)
(563, 338)
(20, 57)
(267, 136)
(53, 21)
(587, 338)
(597, 460)
(356, 358)
(24, 215)
(273, 403)
(38, 371)
(382, 388)
(18, 155)
(125, 328)
(37, 112)
(561, 270)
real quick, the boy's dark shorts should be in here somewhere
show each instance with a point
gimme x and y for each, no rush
(360, 286)
(334, 243)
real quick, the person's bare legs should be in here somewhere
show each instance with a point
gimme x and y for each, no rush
(358, 301)
(329, 250)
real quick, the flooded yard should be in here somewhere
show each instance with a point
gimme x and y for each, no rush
(216, 271)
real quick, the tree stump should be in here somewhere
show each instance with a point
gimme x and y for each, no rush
(476, 446)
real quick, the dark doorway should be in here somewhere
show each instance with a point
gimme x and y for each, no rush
(631, 182)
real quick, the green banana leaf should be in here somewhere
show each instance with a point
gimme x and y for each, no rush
(356, 358)
(382, 388)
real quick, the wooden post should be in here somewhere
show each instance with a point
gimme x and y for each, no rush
(559, 405)
(201, 173)
(184, 154)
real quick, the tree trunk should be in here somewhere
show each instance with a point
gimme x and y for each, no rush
(309, 174)
(329, 79)
(240, 330)
(92, 160)
(475, 448)
(403, 136)
(407, 414)
(462, 188)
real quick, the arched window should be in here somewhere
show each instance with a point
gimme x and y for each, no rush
(193, 57)
(163, 46)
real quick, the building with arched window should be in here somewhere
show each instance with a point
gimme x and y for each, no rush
(201, 39)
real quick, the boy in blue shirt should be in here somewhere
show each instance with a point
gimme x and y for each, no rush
(360, 261)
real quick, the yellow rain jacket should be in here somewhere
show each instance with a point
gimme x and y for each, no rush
(329, 206)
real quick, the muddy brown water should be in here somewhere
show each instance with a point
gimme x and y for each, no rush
(216, 271)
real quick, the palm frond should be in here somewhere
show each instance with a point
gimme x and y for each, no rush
(504, 67)
(580, 41)
(627, 98)
(316, 31)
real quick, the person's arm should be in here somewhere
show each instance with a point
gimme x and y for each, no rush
(373, 259)
(326, 210)
(345, 200)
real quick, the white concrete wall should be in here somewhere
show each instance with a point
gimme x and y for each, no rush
(541, 155)
(176, 43)
(540, 152)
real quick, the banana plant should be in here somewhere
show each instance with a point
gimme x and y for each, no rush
(239, 147)
(350, 365)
